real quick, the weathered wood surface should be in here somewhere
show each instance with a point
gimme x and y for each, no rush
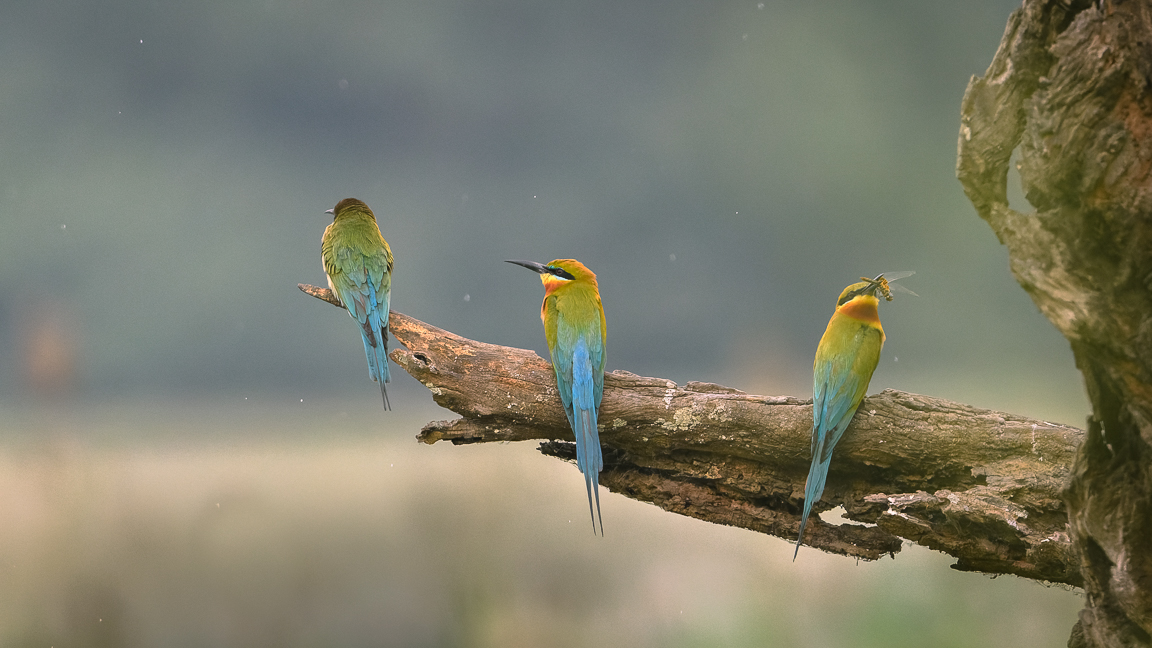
(1071, 88)
(982, 486)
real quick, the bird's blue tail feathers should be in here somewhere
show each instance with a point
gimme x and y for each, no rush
(823, 442)
(589, 458)
(377, 354)
(813, 489)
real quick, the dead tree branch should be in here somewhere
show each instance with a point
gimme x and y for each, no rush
(982, 486)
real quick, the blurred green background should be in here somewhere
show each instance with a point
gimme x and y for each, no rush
(192, 453)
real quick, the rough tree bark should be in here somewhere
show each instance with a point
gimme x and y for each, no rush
(979, 485)
(1069, 87)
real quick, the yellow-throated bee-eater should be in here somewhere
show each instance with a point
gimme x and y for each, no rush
(845, 359)
(576, 333)
(358, 263)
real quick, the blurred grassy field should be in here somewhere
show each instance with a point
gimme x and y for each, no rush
(281, 523)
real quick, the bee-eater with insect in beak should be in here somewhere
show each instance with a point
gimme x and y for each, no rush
(574, 327)
(845, 359)
(358, 263)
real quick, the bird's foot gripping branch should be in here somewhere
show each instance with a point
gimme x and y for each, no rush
(981, 486)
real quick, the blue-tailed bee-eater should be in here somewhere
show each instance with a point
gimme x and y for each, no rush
(845, 359)
(574, 327)
(358, 263)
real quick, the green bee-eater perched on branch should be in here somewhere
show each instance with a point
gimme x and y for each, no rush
(358, 263)
(845, 359)
(574, 327)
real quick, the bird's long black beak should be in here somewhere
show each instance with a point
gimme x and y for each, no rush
(538, 268)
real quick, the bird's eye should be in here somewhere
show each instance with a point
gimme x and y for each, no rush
(560, 272)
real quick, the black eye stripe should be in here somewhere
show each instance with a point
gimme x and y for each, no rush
(560, 272)
(870, 289)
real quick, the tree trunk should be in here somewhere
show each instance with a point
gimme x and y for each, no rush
(1069, 86)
